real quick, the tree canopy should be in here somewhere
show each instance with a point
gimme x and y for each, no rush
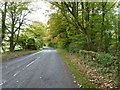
(86, 25)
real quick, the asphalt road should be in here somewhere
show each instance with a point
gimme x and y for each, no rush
(44, 69)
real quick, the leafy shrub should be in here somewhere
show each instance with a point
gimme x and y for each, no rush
(74, 47)
(39, 43)
(104, 63)
(104, 59)
(51, 44)
(63, 43)
(31, 44)
(22, 41)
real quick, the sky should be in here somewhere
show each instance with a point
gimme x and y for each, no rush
(41, 13)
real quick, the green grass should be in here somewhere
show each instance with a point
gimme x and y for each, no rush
(79, 76)
(11, 55)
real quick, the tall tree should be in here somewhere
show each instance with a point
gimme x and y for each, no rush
(4, 19)
(92, 20)
(17, 11)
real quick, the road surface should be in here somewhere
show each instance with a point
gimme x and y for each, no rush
(44, 69)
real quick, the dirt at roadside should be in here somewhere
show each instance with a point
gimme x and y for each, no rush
(91, 74)
(11, 55)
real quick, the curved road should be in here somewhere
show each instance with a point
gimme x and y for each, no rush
(44, 69)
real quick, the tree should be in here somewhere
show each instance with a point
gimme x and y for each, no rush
(93, 23)
(58, 27)
(32, 36)
(35, 29)
(4, 19)
(17, 11)
(72, 8)
(22, 41)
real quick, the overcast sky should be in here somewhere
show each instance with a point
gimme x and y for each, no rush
(41, 13)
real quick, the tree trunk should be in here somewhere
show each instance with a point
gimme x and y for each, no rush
(102, 47)
(3, 20)
(88, 36)
(82, 5)
(88, 39)
(12, 42)
(12, 34)
(118, 51)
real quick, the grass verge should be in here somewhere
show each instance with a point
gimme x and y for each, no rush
(11, 55)
(79, 76)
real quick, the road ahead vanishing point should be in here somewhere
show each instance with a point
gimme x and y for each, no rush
(44, 69)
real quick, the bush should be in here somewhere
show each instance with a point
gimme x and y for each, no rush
(39, 43)
(31, 44)
(104, 59)
(63, 43)
(22, 41)
(73, 47)
(51, 44)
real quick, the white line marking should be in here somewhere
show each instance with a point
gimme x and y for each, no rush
(3, 83)
(26, 67)
(30, 63)
(23, 69)
(16, 73)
